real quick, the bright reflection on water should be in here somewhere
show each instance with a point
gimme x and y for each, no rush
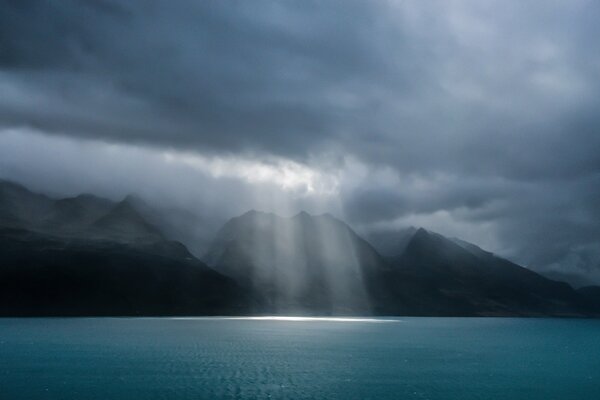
(311, 319)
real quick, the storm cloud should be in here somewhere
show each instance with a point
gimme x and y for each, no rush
(479, 119)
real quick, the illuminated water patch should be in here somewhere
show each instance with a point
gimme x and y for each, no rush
(301, 319)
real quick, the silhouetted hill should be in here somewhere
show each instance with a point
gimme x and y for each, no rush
(475, 282)
(45, 275)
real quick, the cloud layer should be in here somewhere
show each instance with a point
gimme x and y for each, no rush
(478, 119)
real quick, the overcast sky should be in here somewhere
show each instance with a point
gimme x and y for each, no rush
(477, 119)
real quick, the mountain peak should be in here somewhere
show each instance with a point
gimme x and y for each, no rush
(421, 231)
(302, 214)
(254, 213)
(125, 221)
(420, 236)
(423, 240)
(124, 208)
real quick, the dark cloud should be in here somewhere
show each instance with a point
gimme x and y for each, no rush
(477, 110)
(209, 74)
(384, 199)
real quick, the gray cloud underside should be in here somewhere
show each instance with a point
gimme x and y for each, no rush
(485, 110)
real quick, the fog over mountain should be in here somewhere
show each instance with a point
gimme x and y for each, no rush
(298, 263)
(87, 255)
(477, 120)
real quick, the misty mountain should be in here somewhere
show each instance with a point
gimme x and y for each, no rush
(75, 213)
(89, 256)
(472, 281)
(124, 222)
(81, 216)
(196, 232)
(298, 264)
(86, 215)
(19, 207)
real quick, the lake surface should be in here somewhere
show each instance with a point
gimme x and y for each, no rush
(211, 358)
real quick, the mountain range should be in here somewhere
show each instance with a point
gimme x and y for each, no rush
(90, 256)
(87, 255)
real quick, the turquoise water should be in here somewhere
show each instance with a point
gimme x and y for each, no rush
(204, 358)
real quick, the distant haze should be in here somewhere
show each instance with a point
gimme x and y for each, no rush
(476, 119)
